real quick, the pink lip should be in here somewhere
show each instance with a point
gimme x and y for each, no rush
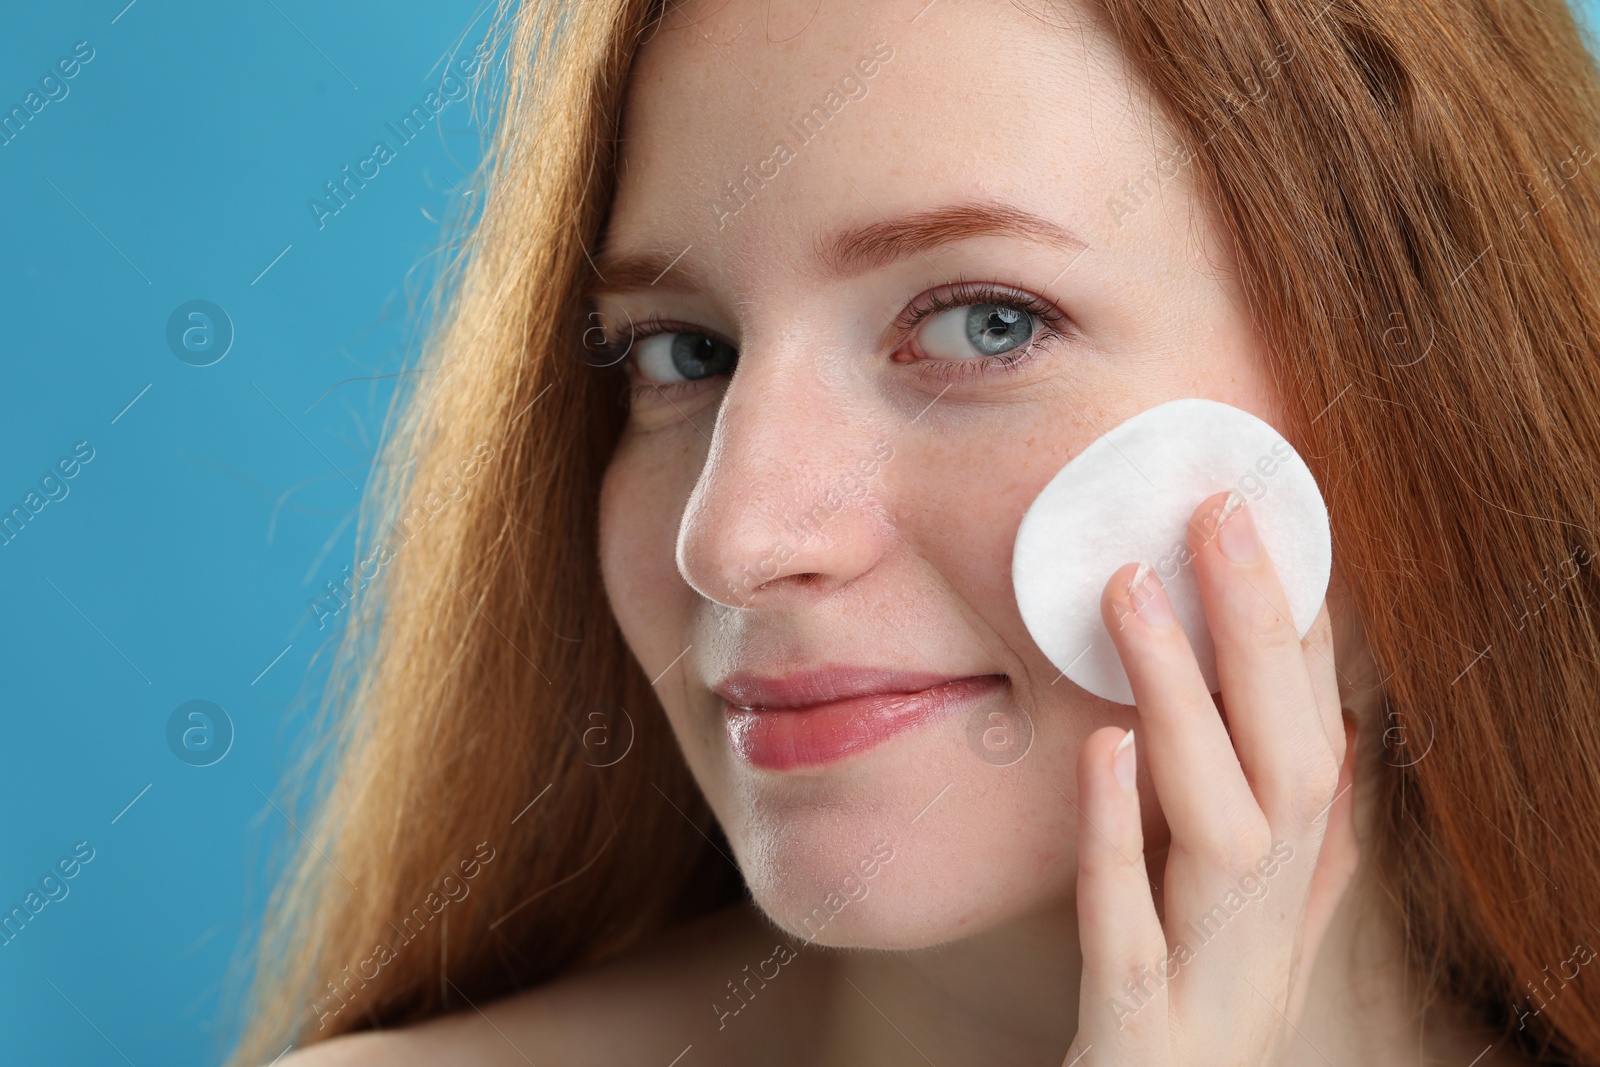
(818, 717)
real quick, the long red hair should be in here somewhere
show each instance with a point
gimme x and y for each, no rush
(1405, 188)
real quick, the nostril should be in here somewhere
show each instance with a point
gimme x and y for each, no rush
(804, 580)
(743, 594)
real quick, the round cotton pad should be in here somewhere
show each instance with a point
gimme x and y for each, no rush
(1128, 497)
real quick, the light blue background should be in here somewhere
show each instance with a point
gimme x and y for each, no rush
(180, 563)
(192, 541)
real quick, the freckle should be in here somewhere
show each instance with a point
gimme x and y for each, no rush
(1029, 442)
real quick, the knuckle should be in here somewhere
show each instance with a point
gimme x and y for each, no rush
(1231, 847)
(1263, 623)
(1247, 847)
(1103, 863)
(1312, 791)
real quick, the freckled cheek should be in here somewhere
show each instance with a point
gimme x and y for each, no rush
(965, 504)
(638, 530)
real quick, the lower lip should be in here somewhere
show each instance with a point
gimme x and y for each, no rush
(782, 739)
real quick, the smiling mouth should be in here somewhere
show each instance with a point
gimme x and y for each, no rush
(821, 717)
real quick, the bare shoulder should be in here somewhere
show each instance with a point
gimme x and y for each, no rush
(699, 985)
(356, 1050)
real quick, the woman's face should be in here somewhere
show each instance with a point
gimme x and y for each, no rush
(881, 270)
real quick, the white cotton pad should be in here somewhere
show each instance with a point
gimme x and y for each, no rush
(1128, 497)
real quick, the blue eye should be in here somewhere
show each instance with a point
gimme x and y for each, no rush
(977, 330)
(673, 358)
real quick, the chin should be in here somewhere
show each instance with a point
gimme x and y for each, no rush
(910, 845)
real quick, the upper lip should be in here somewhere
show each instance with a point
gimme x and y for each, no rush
(823, 685)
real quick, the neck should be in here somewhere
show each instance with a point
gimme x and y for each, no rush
(1007, 995)
(1010, 995)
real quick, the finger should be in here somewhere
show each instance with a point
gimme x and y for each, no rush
(1267, 688)
(1197, 778)
(1336, 867)
(1318, 646)
(1122, 999)
(1222, 842)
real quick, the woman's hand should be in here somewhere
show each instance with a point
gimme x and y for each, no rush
(1263, 843)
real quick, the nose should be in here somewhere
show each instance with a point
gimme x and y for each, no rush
(791, 502)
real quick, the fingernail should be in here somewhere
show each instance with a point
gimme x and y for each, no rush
(1149, 600)
(1236, 530)
(1123, 762)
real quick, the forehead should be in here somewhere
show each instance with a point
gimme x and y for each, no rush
(754, 129)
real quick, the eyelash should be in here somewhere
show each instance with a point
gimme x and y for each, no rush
(619, 354)
(962, 293)
(956, 294)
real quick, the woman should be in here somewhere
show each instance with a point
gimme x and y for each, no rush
(776, 318)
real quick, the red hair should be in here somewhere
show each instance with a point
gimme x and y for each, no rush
(1404, 190)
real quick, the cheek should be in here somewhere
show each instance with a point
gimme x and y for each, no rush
(642, 499)
(639, 514)
(961, 500)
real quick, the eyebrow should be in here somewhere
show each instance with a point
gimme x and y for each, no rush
(856, 250)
